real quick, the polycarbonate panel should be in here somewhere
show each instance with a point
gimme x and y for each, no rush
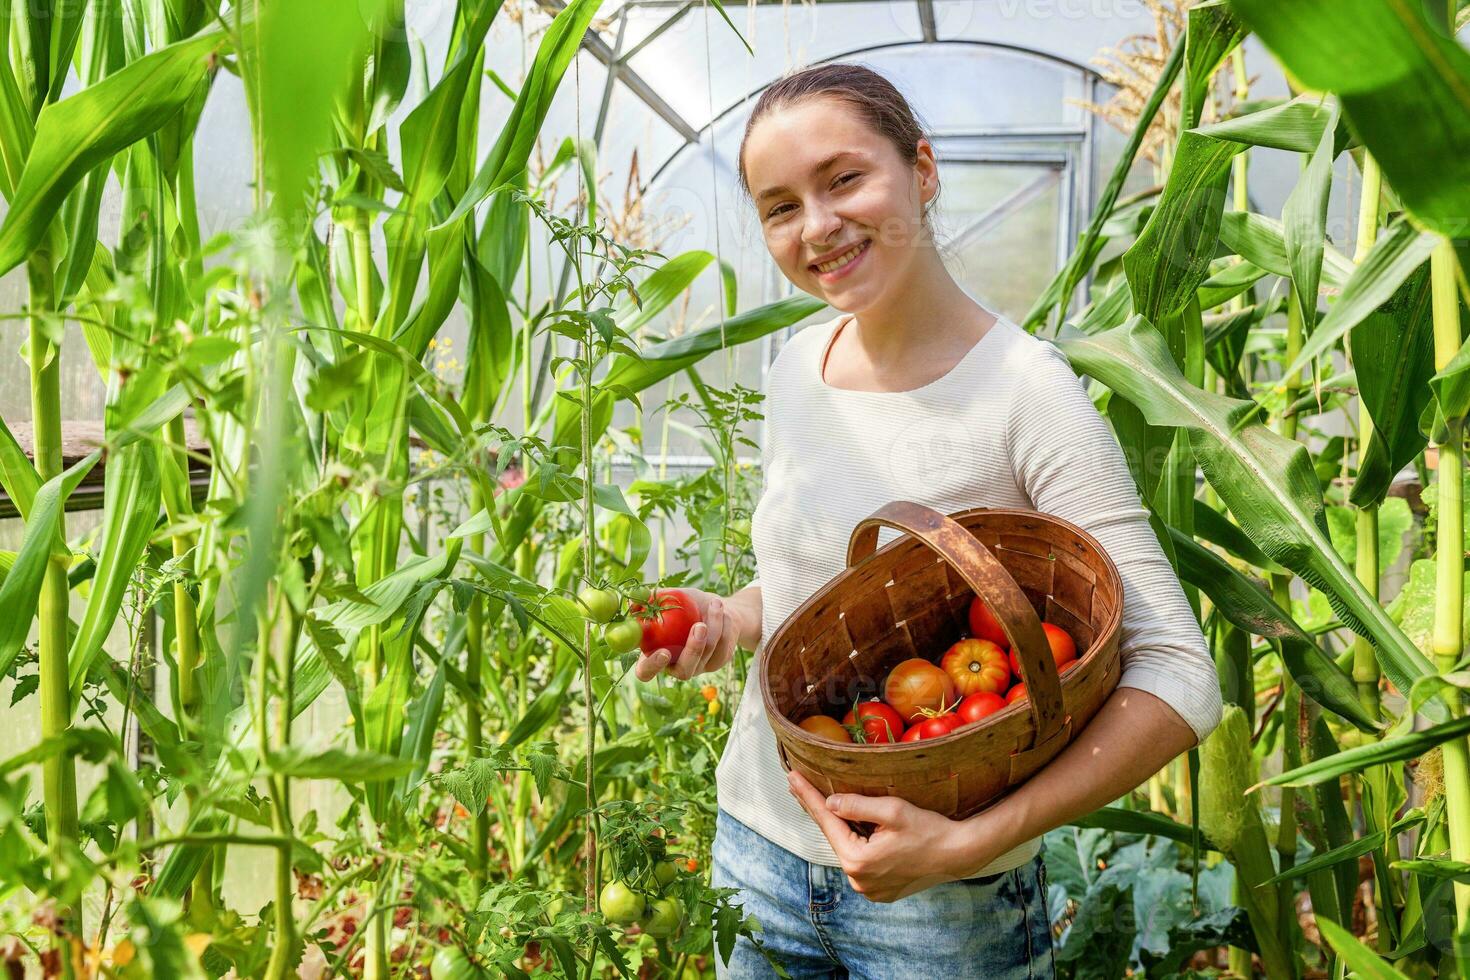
(1000, 228)
(702, 75)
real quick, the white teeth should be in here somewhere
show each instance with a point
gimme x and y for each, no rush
(841, 260)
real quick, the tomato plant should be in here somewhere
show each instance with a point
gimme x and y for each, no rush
(668, 623)
(824, 727)
(917, 684)
(979, 705)
(984, 625)
(976, 665)
(880, 723)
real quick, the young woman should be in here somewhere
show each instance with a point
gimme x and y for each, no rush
(914, 392)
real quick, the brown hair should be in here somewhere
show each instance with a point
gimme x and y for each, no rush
(869, 93)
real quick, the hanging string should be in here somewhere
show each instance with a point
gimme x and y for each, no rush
(709, 91)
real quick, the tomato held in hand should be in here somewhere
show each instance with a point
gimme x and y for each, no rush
(984, 626)
(979, 705)
(917, 684)
(670, 626)
(976, 665)
(824, 727)
(880, 722)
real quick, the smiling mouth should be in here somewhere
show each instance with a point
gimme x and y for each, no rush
(839, 261)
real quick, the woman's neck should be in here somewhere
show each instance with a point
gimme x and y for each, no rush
(932, 315)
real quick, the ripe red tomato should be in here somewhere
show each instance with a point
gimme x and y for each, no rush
(984, 626)
(670, 627)
(912, 735)
(824, 727)
(1017, 693)
(937, 725)
(880, 722)
(916, 684)
(976, 665)
(1063, 650)
(978, 706)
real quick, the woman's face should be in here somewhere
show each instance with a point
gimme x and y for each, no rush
(825, 184)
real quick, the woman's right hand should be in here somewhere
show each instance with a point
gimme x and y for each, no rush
(710, 645)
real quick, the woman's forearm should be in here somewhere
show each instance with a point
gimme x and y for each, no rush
(746, 607)
(1133, 736)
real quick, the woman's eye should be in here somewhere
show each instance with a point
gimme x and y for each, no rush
(844, 177)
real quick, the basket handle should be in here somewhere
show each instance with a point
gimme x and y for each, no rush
(989, 579)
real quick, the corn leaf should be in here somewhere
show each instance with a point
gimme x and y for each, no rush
(1380, 58)
(1266, 480)
(1400, 249)
(1365, 963)
(22, 588)
(1251, 608)
(1360, 757)
(131, 500)
(76, 134)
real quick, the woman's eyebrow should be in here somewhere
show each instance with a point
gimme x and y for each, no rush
(769, 191)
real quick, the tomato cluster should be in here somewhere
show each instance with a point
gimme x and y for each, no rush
(976, 677)
(657, 618)
(659, 914)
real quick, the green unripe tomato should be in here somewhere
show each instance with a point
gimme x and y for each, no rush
(741, 526)
(638, 592)
(451, 963)
(665, 917)
(598, 605)
(622, 636)
(665, 872)
(620, 904)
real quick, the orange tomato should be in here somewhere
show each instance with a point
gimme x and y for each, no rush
(976, 665)
(828, 728)
(1063, 649)
(917, 684)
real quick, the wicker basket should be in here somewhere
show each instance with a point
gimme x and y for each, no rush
(911, 599)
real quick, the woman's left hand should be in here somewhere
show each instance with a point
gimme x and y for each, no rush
(911, 849)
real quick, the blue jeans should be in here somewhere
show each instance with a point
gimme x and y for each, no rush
(996, 926)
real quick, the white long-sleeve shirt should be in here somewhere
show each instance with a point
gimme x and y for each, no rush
(1010, 425)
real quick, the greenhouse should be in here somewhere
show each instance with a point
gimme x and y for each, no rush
(673, 489)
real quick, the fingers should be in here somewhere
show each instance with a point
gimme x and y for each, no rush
(834, 827)
(649, 664)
